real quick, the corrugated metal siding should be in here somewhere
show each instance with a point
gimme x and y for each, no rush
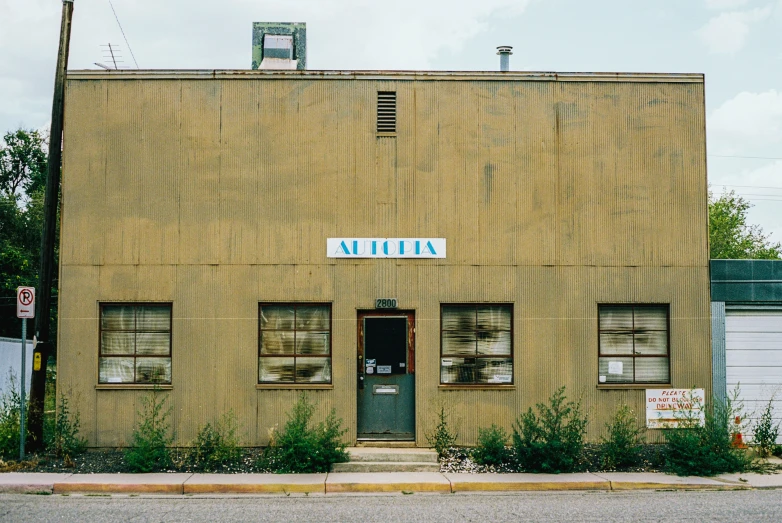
(718, 350)
(218, 194)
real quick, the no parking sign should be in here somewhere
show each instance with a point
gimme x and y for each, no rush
(25, 302)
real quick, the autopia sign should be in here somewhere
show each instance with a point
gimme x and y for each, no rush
(385, 248)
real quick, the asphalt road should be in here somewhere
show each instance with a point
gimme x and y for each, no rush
(744, 506)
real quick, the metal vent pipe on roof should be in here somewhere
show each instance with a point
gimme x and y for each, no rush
(505, 51)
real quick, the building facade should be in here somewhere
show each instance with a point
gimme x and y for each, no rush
(388, 242)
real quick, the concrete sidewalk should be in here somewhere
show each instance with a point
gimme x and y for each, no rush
(341, 482)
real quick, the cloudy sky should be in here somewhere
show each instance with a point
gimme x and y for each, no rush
(736, 43)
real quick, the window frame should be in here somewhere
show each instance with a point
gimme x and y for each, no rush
(511, 356)
(101, 330)
(330, 355)
(634, 356)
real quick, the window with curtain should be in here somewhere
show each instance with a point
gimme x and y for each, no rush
(476, 344)
(294, 343)
(633, 344)
(135, 343)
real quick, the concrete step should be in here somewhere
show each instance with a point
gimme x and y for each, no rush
(385, 466)
(385, 443)
(392, 455)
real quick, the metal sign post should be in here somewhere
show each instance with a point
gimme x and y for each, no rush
(25, 308)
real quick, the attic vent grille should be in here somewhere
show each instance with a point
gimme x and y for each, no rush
(386, 111)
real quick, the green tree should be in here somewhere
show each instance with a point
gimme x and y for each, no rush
(731, 237)
(22, 181)
(22, 162)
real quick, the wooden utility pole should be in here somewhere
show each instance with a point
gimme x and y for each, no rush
(45, 345)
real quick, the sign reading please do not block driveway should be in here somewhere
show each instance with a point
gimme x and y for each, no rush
(669, 408)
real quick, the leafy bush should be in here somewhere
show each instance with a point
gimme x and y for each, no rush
(9, 420)
(765, 432)
(442, 437)
(705, 449)
(553, 440)
(151, 439)
(301, 448)
(216, 444)
(492, 446)
(64, 441)
(622, 447)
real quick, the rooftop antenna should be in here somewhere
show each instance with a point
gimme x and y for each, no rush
(111, 54)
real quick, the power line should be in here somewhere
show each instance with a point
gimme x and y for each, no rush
(746, 186)
(745, 157)
(123, 34)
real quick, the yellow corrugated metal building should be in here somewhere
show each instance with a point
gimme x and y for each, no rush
(233, 238)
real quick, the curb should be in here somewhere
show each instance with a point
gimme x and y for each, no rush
(122, 484)
(256, 484)
(334, 483)
(543, 486)
(115, 488)
(621, 485)
(388, 482)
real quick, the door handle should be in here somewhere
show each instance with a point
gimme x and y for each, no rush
(360, 372)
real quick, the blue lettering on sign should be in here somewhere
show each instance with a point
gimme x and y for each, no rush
(377, 247)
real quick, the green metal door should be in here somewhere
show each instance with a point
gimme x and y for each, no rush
(386, 381)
